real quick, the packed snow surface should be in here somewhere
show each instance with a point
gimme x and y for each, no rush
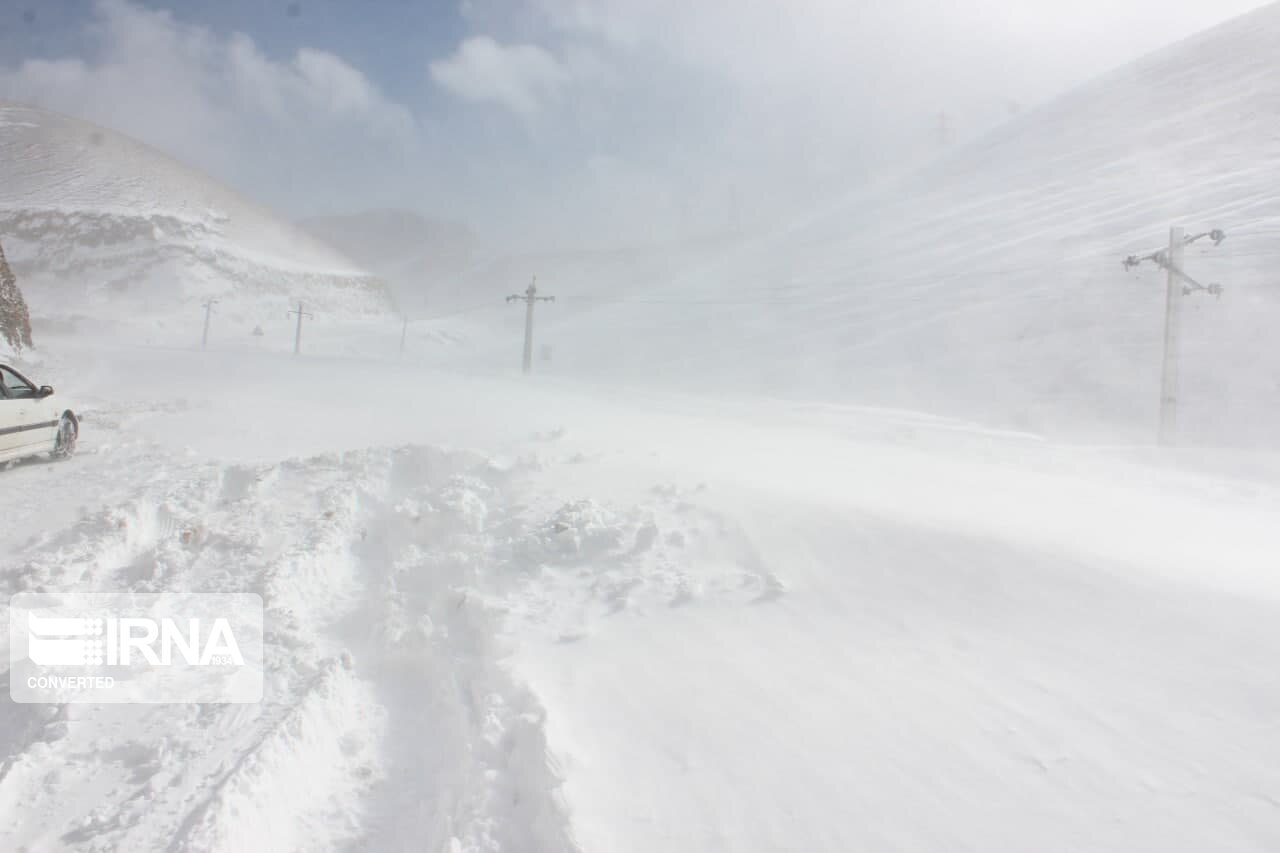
(511, 615)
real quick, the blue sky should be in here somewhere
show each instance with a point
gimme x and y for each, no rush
(385, 39)
(556, 123)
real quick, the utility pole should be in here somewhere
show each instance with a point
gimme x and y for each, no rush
(297, 338)
(1178, 284)
(208, 309)
(404, 331)
(943, 130)
(1172, 328)
(530, 298)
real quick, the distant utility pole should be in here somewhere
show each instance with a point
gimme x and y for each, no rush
(297, 338)
(943, 130)
(1178, 284)
(208, 309)
(530, 298)
(404, 331)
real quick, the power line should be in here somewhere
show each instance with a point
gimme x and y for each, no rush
(785, 289)
(786, 299)
(491, 303)
(592, 301)
(797, 300)
(1240, 233)
(1227, 256)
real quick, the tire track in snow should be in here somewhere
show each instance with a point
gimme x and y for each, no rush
(421, 740)
(203, 529)
(467, 764)
(265, 799)
(83, 558)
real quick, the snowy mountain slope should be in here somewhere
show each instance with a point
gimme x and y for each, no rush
(990, 284)
(98, 224)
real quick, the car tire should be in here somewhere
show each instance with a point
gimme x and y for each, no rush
(68, 436)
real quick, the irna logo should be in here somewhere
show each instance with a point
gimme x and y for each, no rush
(124, 641)
(135, 647)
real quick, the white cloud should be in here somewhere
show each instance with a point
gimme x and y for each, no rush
(667, 112)
(766, 105)
(200, 96)
(333, 86)
(314, 85)
(521, 77)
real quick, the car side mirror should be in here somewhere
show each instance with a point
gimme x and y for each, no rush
(45, 391)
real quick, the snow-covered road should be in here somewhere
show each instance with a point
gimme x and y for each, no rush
(527, 616)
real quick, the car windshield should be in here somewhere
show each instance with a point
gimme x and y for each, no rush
(640, 425)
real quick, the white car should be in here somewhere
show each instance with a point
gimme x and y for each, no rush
(33, 420)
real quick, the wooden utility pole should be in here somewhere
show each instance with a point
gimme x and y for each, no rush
(297, 338)
(530, 298)
(208, 310)
(1172, 320)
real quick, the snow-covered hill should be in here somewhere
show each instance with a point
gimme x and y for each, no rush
(98, 225)
(991, 283)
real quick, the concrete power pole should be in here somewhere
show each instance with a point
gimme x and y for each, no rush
(208, 309)
(297, 338)
(1179, 284)
(1172, 322)
(530, 298)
